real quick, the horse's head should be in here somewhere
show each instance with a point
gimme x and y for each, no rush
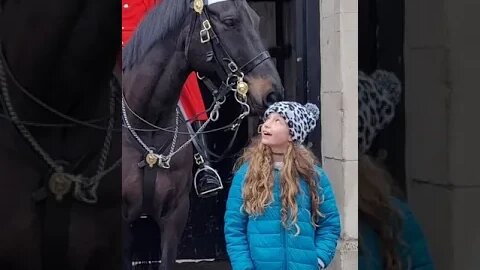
(224, 36)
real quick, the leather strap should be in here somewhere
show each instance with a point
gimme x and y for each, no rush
(149, 180)
(249, 66)
(55, 227)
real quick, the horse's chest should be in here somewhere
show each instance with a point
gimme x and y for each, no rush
(23, 171)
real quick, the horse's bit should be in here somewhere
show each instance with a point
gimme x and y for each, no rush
(233, 81)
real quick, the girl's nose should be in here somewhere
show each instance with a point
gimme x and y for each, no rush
(268, 121)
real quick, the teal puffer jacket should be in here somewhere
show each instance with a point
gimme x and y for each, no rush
(262, 243)
(414, 251)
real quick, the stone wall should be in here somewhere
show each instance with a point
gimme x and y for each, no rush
(442, 65)
(339, 117)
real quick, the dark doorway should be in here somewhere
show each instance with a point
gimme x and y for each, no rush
(380, 46)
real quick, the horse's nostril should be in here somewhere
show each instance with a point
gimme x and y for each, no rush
(273, 97)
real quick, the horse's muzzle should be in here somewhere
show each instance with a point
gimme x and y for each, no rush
(272, 97)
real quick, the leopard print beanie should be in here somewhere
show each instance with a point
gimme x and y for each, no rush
(378, 94)
(301, 119)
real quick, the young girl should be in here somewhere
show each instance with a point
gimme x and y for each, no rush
(390, 236)
(281, 211)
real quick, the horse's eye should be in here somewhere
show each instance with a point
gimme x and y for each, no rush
(229, 22)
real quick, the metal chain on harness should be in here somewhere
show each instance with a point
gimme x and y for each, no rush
(89, 185)
(234, 82)
(153, 158)
(60, 181)
(168, 129)
(159, 159)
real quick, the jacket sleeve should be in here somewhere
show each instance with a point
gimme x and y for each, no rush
(328, 231)
(415, 250)
(236, 226)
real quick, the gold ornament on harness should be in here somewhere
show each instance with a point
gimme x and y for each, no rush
(242, 88)
(198, 6)
(151, 159)
(60, 184)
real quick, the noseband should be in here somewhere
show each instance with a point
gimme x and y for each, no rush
(227, 70)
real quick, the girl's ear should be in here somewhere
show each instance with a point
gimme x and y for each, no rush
(290, 139)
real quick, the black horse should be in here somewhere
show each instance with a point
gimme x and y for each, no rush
(58, 130)
(219, 39)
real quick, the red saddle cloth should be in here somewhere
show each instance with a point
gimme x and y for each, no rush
(191, 99)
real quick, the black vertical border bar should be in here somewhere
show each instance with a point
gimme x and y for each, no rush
(312, 65)
(299, 52)
(390, 56)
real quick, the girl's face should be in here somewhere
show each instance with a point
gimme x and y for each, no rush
(275, 132)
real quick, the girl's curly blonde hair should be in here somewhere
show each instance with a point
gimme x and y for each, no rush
(299, 162)
(375, 208)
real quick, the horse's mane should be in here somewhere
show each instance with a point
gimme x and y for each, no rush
(162, 19)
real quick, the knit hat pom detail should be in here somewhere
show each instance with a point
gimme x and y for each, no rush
(313, 109)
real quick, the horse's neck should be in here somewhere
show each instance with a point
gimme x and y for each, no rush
(152, 87)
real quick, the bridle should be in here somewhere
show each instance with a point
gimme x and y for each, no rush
(232, 81)
(229, 72)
